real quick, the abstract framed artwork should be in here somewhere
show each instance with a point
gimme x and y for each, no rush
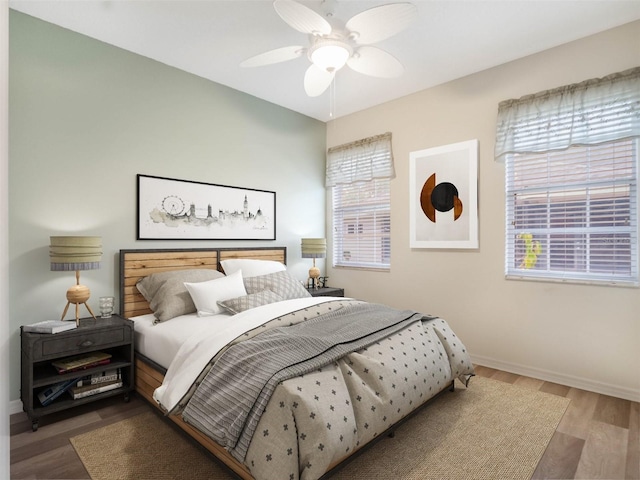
(443, 190)
(190, 210)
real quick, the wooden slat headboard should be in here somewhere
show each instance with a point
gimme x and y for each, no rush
(137, 264)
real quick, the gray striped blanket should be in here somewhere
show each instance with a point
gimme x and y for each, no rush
(228, 403)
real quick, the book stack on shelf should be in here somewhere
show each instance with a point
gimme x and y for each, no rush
(96, 383)
(81, 362)
(82, 385)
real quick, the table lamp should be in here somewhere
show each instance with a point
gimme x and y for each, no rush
(74, 254)
(314, 248)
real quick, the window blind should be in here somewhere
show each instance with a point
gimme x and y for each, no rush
(360, 161)
(359, 175)
(572, 215)
(362, 224)
(588, 113)
(571, 179)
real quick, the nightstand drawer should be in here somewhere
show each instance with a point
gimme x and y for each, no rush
(74, 344)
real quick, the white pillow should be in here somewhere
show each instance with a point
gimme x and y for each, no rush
(251, 267)
(206, 295)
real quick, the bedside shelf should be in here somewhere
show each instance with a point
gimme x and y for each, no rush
(112, 335)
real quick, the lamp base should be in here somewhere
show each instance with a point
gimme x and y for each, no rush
(314, 274)
(78, 294)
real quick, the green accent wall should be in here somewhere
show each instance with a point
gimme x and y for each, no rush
(86, 117)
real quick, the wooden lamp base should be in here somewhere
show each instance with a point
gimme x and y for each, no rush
(78, 294)
(314, 274)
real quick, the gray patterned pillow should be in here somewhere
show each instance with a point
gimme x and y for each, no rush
(246, 302)
(166, 293)
(281, 283)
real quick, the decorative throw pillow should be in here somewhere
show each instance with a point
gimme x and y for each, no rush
(281, 283)
(166, 293)
(206, 295)
(246, 302)
(251, 267)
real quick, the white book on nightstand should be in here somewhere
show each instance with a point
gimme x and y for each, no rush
(49, 326)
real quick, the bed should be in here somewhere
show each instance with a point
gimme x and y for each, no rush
(275, 383)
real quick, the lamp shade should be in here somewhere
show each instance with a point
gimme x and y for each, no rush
(75, 253)
(314, 247)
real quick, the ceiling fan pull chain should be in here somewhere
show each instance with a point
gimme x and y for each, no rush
(332, 98)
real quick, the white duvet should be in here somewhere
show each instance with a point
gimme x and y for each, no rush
(161, 341)
(198, 349)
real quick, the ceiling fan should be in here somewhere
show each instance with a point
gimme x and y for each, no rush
(332, 45)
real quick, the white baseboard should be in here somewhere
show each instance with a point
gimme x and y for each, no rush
(562, 379)
(15, 406)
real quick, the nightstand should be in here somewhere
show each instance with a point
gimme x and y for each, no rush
(326, 292)
(112, 335)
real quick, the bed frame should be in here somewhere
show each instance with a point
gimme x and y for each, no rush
(137, 264)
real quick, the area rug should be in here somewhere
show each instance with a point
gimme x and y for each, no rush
(491, 430)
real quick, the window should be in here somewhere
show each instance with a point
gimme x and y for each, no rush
(359, 175)
(571, 182)
(573, 214)
(362, 224)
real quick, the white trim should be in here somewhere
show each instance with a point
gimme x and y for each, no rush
(15, 406)
(560, 378)
(603, 283)
(5, 429)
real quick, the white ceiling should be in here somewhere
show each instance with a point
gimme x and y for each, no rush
(450, 39)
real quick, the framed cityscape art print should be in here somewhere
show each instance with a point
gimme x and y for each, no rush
(189, 210)
(443, 204)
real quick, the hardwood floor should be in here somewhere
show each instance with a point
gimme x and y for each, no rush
(598, 437)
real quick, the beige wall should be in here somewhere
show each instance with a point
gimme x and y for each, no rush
(585, 336)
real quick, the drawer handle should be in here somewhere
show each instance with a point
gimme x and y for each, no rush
(86, 343)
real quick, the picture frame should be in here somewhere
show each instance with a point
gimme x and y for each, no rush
(443, 189)
(174, 209)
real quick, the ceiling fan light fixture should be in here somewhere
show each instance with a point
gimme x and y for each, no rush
(330, 55)
(334, 46)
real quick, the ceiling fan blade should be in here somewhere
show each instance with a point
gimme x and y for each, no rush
(301, 18)
(274, 56)
(317, 80)
(375, 62)
(380, 23)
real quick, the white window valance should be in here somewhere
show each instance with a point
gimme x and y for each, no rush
(360, 161)
(586, 113)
